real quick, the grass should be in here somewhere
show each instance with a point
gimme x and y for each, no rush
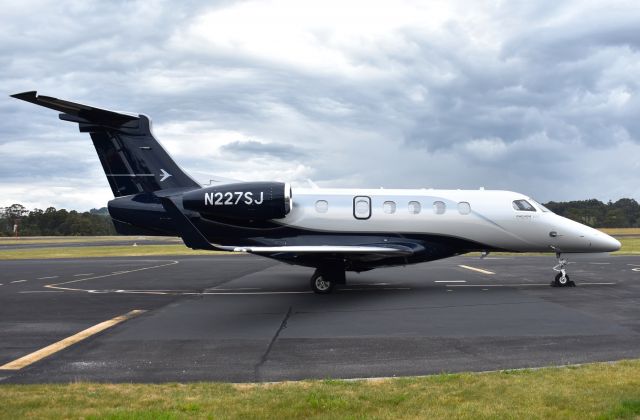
(103, 251)
(32, 240)
(594, 391)
(621, 231)
(630, 246)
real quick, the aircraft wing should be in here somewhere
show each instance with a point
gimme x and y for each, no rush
(193, 238)
(383, 250)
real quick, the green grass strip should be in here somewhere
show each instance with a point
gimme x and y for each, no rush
(630, 246)
(593, 391)
(103, 251)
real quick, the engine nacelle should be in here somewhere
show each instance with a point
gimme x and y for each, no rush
(244, 200)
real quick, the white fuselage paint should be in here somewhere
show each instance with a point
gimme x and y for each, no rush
(492, 221)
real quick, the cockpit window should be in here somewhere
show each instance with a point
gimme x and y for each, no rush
(523, 205)
(540, 206)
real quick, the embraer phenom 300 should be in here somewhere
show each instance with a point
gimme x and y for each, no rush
(331, 230)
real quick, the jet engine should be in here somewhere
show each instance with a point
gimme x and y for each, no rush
(244, 200)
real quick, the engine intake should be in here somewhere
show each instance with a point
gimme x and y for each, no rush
(244, 200)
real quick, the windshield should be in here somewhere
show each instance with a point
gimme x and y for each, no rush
(540, 206)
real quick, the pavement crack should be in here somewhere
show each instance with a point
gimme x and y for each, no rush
(265, 356)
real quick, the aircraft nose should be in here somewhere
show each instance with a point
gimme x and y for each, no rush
(605, 243)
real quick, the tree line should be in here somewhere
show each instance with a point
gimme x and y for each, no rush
(52, 222)
(621, 214)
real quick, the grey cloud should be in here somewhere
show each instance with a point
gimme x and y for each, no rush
(251, 148)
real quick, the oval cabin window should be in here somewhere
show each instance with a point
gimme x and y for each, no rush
(439, 207)
(389, 207)
(464, 207)
(322, 206)
(414, 207)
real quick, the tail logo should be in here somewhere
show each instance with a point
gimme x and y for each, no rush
(164, 174)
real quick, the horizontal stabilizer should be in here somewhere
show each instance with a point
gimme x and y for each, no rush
(86, 112)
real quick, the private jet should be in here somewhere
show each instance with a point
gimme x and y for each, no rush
(333, 230)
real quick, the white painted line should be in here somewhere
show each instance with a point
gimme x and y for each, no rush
(450, 281)
(479, 270)
(524, 284)
(83, 274)
(375, 288)
(637, 269)
(17, 281)
(42, 291)
(230, 293)
(69, 341)
(238, 288)
(57, 285)
(45, 278)
(253, 293)
(599, 263)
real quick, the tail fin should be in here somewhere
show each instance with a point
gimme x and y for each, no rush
(131, 157)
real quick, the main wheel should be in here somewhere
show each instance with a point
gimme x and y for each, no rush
(562, 281)
(320, 283)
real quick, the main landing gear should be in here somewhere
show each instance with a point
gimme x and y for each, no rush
(324, 279)
(562, 278)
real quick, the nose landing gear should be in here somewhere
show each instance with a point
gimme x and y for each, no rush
(562, 278)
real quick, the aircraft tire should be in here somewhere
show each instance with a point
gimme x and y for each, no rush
(563, 282)
(320, 283)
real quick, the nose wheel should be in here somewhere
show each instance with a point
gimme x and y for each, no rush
(562, 278)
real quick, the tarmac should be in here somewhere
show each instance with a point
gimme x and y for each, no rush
(242, 318)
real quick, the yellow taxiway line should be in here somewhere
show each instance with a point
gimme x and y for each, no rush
(69, 341)
(479, 270)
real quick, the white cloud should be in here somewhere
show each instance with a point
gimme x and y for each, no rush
(538, 97)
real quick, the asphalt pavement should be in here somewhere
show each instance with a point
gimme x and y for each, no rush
(241, 318)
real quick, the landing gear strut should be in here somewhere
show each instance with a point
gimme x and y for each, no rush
(324, 279)
(562, 278)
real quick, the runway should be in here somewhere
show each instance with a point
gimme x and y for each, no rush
(240, 318)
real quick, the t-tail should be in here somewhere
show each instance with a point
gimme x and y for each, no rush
(133, 160)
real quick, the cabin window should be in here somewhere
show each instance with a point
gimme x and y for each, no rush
(322, 206)
(414, 207)
(362, 207)
(439, 207)
(523, 205)
(464, 207)
(389, 207)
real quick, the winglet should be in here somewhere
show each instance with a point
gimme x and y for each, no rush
(189, 233)
(26, 96)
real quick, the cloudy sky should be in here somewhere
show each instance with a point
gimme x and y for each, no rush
(538, 97)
